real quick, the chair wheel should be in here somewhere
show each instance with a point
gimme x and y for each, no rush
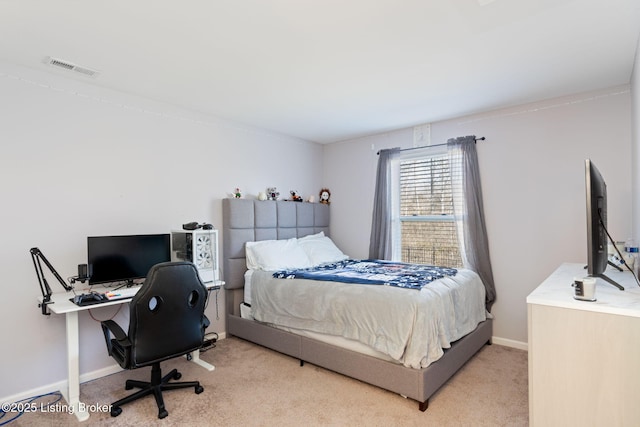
(162, 413)
(177, 376)
(199, 389)
(115, 411)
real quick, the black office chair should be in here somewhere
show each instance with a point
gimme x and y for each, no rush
(166, 320)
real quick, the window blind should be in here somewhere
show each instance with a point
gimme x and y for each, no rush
(428, 230)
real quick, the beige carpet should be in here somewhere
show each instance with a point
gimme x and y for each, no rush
(254, 386)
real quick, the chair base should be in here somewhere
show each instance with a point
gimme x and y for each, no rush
(157, 384)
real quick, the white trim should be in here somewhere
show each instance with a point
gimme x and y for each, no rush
(428, 218)
(61, 385)
(510, 343)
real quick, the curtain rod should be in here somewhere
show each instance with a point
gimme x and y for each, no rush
(482, 138)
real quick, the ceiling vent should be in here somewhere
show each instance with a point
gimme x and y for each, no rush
(70, 66)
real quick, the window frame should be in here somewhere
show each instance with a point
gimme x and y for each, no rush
(397, 219)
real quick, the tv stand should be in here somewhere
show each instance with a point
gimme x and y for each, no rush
(608, 280)
(617, 267)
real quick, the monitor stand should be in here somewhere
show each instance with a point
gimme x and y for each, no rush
(128, 283)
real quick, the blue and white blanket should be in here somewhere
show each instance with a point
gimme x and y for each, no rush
(372, 272)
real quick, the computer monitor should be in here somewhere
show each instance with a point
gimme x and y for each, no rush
(597, 234)
(125, 258)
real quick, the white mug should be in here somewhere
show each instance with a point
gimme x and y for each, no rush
(584, 288)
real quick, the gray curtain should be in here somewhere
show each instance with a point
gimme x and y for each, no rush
(381, 226)
(474, 233)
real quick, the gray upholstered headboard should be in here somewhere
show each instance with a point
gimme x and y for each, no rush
(251, 220)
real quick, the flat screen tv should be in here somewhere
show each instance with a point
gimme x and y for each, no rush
(125, 258)
(597, 234)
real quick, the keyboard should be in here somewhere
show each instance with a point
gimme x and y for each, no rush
(122, 293)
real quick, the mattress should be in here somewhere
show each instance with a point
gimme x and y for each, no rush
(338, 341)
(366, 318)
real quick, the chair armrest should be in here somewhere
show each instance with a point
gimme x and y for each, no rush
(205, 322)
(110, 327)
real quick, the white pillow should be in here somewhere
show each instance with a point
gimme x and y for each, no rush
(274, 255)
(312, 236)
(321, 250)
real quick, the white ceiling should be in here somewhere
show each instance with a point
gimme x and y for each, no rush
(329, 70)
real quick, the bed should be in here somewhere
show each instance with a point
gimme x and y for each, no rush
(255, 221)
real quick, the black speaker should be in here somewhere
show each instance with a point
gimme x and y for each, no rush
(82, 271)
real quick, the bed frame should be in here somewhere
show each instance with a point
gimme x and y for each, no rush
(252, 220)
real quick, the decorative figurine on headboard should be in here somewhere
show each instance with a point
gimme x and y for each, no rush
(237, 193)
(295, 197)
(325, 195)
(272, 194)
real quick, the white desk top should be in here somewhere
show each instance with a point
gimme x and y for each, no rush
(556, 291)
(60, 301)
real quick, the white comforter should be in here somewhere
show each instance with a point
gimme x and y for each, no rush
(410, 326)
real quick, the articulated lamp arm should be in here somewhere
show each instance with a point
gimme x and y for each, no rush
(36, 257)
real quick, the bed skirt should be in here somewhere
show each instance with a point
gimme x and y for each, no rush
(416, 384)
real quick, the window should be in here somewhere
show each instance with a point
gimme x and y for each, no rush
(440, 192)
(428, 232)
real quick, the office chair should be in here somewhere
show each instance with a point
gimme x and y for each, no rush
(166, 320)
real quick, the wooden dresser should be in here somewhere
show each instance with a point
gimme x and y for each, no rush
(584, 357)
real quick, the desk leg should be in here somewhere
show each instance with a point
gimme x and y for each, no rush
(72, 392)
(195, 358)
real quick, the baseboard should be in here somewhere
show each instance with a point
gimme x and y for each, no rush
(510, 343)
(59, 385)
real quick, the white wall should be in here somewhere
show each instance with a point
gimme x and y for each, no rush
(635, 120)
(532, 171)
(77, 160)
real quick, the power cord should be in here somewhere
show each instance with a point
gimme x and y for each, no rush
(209, 342)
(17, 409)
(110, 318)
(613, 243)
(217, 290)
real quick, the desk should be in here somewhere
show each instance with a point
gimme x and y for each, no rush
(583, 356)
(60, 304)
